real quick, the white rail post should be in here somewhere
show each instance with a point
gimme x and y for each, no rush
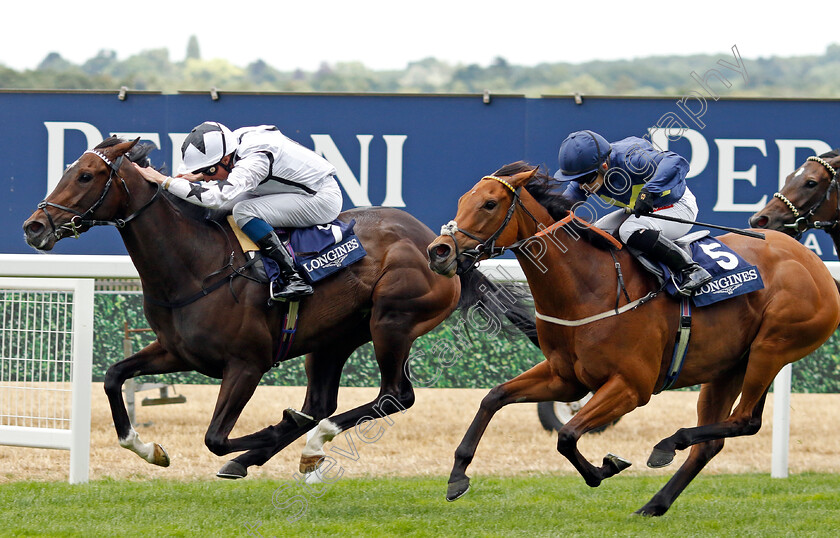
(781, 423)
(82, 374)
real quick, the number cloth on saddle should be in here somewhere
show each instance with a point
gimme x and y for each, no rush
(732, 275)
(319, 251)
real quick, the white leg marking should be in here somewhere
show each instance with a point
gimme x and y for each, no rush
(133, 443)
(324, 432)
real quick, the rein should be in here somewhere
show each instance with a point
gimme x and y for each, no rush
(81, 219)
(803, 223)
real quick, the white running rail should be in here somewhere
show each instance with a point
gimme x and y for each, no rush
(46, 348)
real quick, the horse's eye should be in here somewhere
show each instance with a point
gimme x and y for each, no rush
(490, 204)
(811, 183)
(85, 177)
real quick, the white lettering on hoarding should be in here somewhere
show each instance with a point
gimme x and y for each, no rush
(55, 146)
(787, 154)
(356, 189)
(727, 175)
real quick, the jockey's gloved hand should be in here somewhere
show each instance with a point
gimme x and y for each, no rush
(644, 204)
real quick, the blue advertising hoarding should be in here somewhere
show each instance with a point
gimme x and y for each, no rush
(419, 153)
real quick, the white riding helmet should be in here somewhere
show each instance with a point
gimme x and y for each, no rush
(205, 146)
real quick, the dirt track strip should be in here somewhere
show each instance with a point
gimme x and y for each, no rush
(422, 440)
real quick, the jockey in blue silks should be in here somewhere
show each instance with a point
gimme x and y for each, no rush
(632, 175)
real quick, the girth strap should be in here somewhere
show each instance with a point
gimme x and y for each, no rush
(680, 346)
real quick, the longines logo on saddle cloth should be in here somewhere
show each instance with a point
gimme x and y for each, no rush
(732, 275)
(319, 251)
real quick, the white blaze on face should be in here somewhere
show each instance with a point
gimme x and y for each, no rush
(799, 172)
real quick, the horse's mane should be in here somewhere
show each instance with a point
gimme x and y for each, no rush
(547, 191)
(544, 188)
(831, 154)
(140, 154)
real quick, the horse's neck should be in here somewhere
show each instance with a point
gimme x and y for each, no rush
(164, 246)
(563, 269)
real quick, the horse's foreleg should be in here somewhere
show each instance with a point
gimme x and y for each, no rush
(613, 400)
(152, 359)
(239, 381)
(713, 405)
(535, 385)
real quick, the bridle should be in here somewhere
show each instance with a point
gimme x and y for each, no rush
(803, 221)
(486, 246)
(82, 219)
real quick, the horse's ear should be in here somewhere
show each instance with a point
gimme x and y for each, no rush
(522, 178)
(124, 147)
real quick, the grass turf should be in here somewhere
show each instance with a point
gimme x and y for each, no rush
(715, 505)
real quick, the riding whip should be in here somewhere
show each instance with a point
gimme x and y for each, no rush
(748, 233)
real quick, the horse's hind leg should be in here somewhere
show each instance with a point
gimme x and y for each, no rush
(391, 342)
(765, 360)
(323, 371)
(713, 405)
(535, 385)
(152, 359)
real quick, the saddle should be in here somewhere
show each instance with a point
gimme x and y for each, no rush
(318, 251)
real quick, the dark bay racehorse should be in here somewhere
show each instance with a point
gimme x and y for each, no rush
(737, 345)
(391, 297)
(808, 200)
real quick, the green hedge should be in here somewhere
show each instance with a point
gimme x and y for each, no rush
(457, 354)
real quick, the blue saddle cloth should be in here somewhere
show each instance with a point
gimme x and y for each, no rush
(732, 275)
(319, 251)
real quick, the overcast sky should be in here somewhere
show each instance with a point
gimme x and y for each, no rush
(390, 34)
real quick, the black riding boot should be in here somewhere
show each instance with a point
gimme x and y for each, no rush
(660, 248)
(295, 287)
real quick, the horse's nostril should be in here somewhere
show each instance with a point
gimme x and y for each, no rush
(759, 222)
(33, 228)
(441, 251)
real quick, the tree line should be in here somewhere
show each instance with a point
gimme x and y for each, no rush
(801, 76)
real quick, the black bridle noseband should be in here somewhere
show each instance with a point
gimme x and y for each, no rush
(82, 219)
(485, 246)
(803, 221)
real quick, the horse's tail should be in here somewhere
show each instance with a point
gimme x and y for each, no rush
(508, 300)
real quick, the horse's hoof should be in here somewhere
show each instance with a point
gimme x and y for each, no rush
(313, 478)
(649, 511)
(309, 464)
(160, 457)
(660, 458)
(616, 463)
(232, 470)
(456, 490)
(299, 418)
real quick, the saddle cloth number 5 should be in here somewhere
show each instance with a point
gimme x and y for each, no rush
(726, 260)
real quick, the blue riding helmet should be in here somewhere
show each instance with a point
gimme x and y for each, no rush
(581, 153)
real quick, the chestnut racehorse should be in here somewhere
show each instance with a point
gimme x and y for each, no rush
(737, 346)
(209, 321)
